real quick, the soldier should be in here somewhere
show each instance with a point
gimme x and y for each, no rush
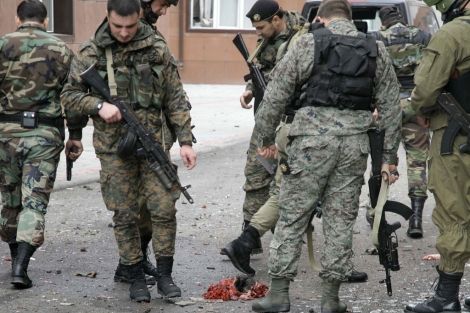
(33, 68)
(444, 66)
(328, 144)
(266, 217)
(151, 11)
(404, 44)
(274, 26)
(146, 77)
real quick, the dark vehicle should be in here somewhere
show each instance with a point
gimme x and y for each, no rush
(365, 13)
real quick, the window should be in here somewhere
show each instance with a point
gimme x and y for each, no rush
(60, 17)
(220, 14)
(423, 17)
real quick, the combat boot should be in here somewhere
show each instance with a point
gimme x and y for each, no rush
(330, 302)
(277, 299)
(258, 248)
(147, 265)
(165, 284)
(138, 290)
(357, 277)
(466, 303)
(13, 252)
(121, 275)
(19, 274)
(239, 250)
(446, 298)
(415, 227)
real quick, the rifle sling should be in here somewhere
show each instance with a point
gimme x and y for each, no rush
(378, 210)
(311, 258)
(110, 70)
(255, 53)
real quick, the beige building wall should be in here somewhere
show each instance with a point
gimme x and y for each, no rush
(206, 57)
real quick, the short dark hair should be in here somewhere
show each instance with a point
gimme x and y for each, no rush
(124, 7)
(281, 13)
(31, 10)
(335, 8)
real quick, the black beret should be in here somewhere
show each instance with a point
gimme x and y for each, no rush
(389, 15)
(263, 10)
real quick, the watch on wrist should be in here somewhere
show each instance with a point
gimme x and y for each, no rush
(99, 105)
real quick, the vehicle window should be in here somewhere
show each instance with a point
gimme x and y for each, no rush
(423, 17)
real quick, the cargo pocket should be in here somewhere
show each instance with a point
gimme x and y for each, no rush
(158, 83)
(105, 180)
(145, 85)
(123, 78)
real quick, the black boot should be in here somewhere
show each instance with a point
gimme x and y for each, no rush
(446, 298)
(13, 252)
(239, 250)
(415, 228)
(258, 248)
(138, 290)
(122, 276)
(149, 269)
(357, 277)
(466, 303)
(165, 284)
(19, 274)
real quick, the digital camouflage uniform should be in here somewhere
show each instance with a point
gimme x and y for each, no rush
(258, 178)
(33, 68)
(328, 150)
(415, 139)
(449, 174)
(152, 74)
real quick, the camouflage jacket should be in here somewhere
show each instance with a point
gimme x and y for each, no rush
(145, 73)
(267, 55)
(295, 68)
(33, 69)
(444, 56)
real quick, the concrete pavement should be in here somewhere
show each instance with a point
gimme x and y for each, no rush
(216, 112)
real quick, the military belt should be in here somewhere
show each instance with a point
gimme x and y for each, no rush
(287, 119)
(46, 121)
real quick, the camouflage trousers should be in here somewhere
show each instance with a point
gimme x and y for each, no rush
(449, 177)
(123, 182)
(28, 171)
(330, 168)
(415, 141)
(258, 180)
(267, 216)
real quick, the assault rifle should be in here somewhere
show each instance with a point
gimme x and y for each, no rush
(460, 121)
(255, 74)
(69, 163)
(154, 153)
(384, 235)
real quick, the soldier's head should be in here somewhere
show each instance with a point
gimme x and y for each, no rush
(31, 11)
(334, 9)
(123, 18)
(389, 16)
(153, 9)
(450, 9)
(268, 18)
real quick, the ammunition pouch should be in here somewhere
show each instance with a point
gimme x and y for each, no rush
(127, 144)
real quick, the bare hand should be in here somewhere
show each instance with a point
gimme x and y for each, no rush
(423, 121)
(246, 98)
(375, 114)
(68, 147)
(393, 173)
(268, 152)
(393, 178)
(188, 156)
(110, 113)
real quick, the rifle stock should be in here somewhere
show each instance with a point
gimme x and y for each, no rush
(155, 154)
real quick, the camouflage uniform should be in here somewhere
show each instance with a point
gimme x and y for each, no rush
(258, 178)
(33, 68)
(415, 139)
(146, 66)
(328, 150)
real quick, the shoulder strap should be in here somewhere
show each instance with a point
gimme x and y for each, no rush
(111, 80)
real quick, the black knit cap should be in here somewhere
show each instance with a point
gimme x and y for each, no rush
(263, 10)
(389, 15)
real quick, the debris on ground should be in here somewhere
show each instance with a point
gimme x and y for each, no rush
(432, 257)
(89, 275)
(240, 288)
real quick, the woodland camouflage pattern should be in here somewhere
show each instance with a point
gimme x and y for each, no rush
(258, 178)
(33, 68)
(328, 150)
(146, 66)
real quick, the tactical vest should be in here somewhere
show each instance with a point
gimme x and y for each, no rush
(343, 72)
(404, 46)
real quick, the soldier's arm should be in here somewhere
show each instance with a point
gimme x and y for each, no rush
(174, 98)
(388, 103)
